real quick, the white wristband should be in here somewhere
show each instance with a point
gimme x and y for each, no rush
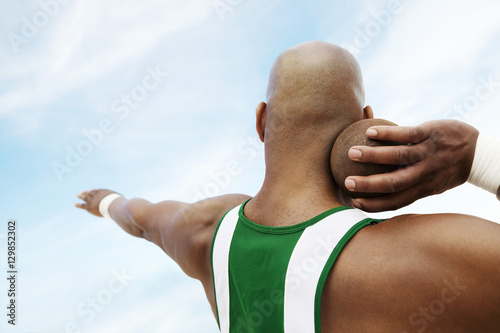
(106, 202)
(485, 171)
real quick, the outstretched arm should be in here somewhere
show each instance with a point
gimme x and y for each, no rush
(184, 231)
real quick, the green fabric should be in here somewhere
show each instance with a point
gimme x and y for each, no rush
(288, 229)
(258, 261)
(257, 267)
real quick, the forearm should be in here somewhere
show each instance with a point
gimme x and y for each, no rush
(141, 218)
(184, 231)
(122, 211)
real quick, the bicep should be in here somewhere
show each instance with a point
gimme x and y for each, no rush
(469, 248)
(480, 262)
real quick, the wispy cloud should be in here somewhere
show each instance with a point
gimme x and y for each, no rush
(87, 42)
(66, 78)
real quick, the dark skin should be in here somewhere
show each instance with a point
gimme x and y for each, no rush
(382, 280)
(385, 275)
(183, 231)
(387, 271)
(439, 157)
(396, 277)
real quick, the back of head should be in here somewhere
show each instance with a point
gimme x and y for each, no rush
(315, 91)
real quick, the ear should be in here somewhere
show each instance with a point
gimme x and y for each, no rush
(368, 112)
(261, 120)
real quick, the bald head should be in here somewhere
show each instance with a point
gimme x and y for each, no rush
(314, 86)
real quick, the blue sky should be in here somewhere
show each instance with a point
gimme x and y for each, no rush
(175, 84)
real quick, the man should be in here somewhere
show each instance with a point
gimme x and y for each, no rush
(409, 273)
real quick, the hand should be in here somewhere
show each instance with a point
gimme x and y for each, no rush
(438, 157)
(91, 200)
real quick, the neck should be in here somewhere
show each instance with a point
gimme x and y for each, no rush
(301, 183)
(295, 189)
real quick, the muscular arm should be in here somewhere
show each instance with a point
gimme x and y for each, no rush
(415, 263)
(467, 248)
(184, 231)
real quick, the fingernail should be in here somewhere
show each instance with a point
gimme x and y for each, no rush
(371, 132)
(354, 154)
(356, 204)
(350, 184)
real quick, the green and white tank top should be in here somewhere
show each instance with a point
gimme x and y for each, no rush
(270, 279)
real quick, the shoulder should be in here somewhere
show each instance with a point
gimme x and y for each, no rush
(443, 232)
(414, 262)
(445, 220)
(449, 243)
(189, 235)
(209, 212)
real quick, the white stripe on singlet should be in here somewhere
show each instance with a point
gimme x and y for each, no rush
(220, 261)
(306, 265)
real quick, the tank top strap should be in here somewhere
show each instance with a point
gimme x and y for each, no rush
(220, 265)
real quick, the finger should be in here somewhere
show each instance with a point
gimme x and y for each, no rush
(393, 155)
(390, 182)
(81, 205)
(384, 203)
(83, 195)
(392, 201)
(403, 134)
